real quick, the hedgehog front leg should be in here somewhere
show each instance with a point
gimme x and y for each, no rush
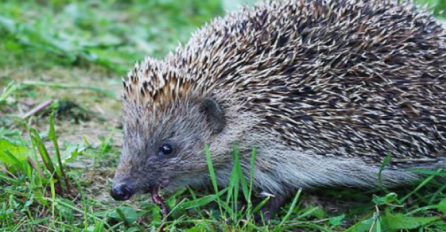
(272, 206)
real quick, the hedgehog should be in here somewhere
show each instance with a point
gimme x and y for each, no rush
(324, 90)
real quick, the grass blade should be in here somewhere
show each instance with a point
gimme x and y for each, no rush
(52, 136)
(213, 176)
(9, 89)
(43, 152)
(290, 210)
(427, 180)
(385, 162)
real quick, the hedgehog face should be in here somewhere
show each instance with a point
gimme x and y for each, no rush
(162, 147)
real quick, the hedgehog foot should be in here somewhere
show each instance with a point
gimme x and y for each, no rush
(271, 207)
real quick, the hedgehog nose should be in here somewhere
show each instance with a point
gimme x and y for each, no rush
(121, 192)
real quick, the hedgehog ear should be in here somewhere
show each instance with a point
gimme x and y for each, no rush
(214, 114)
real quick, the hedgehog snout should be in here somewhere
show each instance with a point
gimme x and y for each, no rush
(121, 192)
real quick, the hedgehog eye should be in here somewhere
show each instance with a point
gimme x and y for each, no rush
(165, 149)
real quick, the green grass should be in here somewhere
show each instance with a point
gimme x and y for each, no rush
(56, 164)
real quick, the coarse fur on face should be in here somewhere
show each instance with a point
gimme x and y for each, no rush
(141, 164)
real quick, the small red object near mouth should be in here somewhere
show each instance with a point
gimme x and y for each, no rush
(158, 199)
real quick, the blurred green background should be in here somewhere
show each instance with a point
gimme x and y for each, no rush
(109, 33)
